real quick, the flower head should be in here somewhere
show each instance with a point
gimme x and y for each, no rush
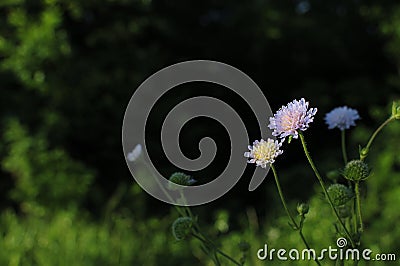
(263, 152)
(182, 227)
(180, 179)
(340, 194)
(135, 153)
(341, 117)
(291, 118)
(356, 170)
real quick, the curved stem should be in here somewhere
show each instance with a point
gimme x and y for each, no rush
(365, 150)
(324, 188)
(297, 227)
(344, 152)
(358, 200)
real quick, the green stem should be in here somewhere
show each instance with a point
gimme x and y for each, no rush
(278, 186)
(354, 216)
(187, 209)
(344, 152)
(216, 259)
(324, 188)
(206, 241)
(358, 200)
(207, 250)
(228, 257)
(297, 227)
(162, 187)
(365, 150)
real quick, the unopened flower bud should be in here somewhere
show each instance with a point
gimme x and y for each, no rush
(363, 152)
(340, 194)
(303, 208)
(396, 109)
(181, 179)
(181, 228)
(356, 170)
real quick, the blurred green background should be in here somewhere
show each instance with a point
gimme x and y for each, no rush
(69, 68)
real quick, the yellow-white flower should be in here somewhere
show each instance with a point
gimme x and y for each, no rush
(263, 152)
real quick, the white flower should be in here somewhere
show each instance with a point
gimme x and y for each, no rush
(341, 117)
(135, 153)
(291, 118)
(263, 152)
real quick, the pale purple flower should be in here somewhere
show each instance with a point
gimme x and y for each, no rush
(135, 153)
(291, 118)
(263, 152)
(341, 118)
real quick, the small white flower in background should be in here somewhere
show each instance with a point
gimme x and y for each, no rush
(135, 153)
(341, 118)
(263, 152)
(291, 118)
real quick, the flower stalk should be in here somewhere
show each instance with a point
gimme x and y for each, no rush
(314, 168)
(364, 151)
(294, 223)
(358, 201)
(343, 141)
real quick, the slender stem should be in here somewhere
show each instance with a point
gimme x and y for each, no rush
(162, 187)
(278, 186)
(228, 257)
(358, 200)
(216, 259)
(354, 216)
(305, 242)
(344, 152)
(324, 188)
(373, 136)
(187, 209)
(297, 227)
(206, 241)
(207, 249)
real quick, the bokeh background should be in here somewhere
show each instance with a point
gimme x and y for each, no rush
(69, 68)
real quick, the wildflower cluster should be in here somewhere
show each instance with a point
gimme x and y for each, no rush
(343, 193)
(291, 121)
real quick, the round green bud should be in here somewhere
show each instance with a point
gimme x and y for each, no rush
(181, 179)
(303, 208)
(356, 170)
(340, 194)
(182, 227)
